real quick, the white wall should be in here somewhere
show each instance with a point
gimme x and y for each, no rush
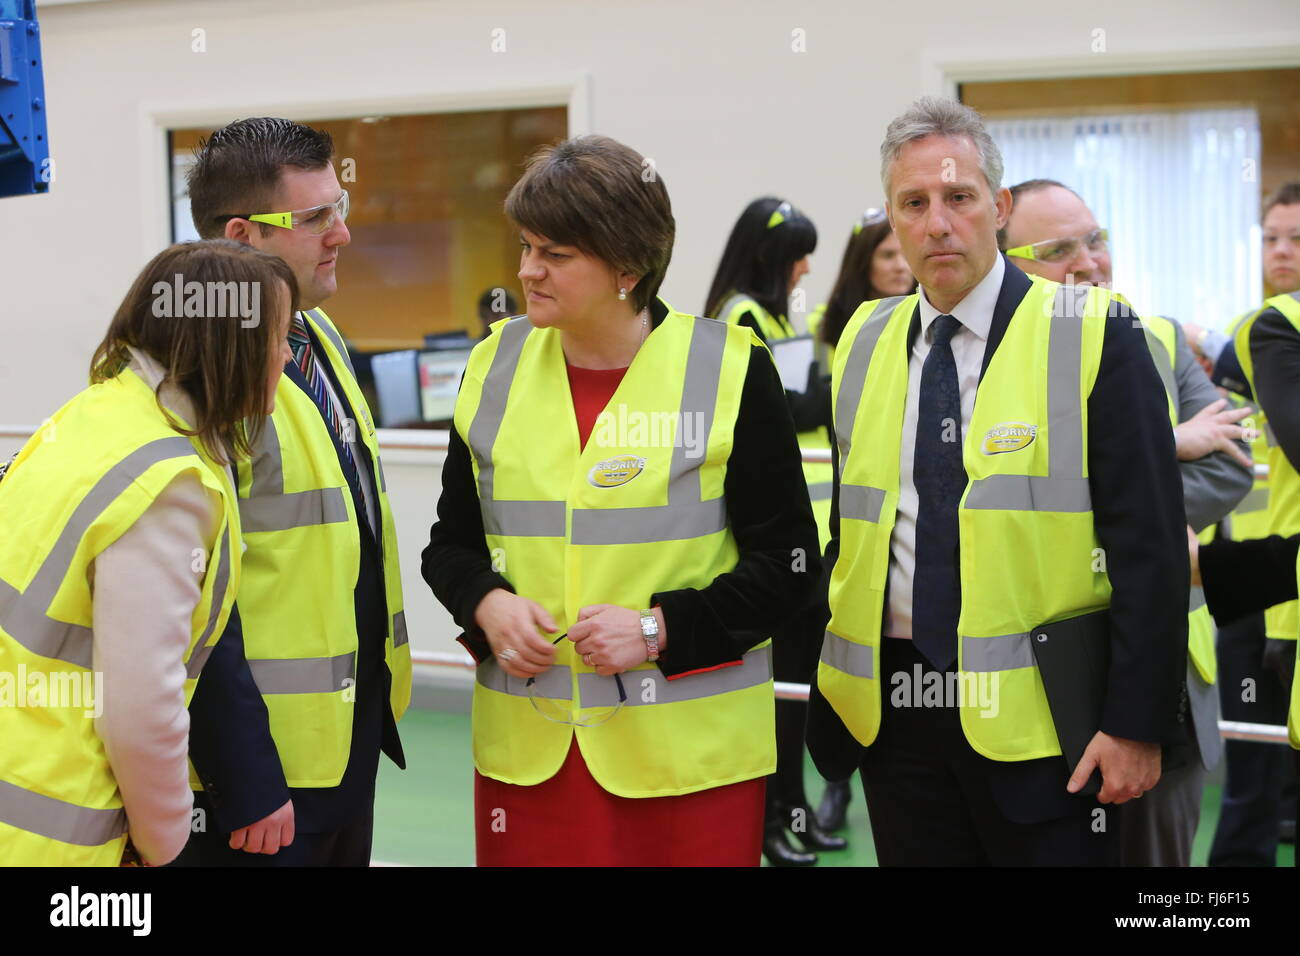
(714, 92)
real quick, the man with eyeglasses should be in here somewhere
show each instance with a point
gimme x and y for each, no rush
(307, 684)
(1052, 233)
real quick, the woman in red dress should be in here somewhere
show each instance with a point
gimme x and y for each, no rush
(623, 514)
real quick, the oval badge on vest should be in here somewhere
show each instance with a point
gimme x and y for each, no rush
(613, 472)
(1008, 436)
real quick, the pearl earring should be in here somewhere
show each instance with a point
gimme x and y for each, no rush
(622, 295)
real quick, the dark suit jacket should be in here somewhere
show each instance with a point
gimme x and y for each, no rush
(230, 736)
(1137, 502)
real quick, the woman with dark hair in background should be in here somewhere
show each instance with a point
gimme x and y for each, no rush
(765, 257)
(873, 268)
(121, 557)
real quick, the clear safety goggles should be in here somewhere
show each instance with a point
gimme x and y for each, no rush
(315, 221)
(1062, 250)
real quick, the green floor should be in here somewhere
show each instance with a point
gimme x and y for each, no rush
(423, 815)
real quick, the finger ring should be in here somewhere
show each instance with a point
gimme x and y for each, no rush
(507, 655)
(586, 659)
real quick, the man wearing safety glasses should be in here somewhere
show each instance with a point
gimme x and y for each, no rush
(1052, 233)
(306, 685)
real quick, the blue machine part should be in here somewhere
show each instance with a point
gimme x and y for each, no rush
(24, 142)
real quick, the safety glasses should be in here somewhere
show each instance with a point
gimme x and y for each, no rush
(779, 215)
(315, 221)
(560, 711)
(1062, 250)
(870, 218)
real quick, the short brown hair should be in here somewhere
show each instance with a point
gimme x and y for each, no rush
(220, 361)
(606, 199)
(1288, 194)
(237, 169)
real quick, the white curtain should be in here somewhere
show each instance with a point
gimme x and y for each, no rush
(1177, 190)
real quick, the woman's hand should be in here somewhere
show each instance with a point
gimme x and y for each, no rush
(510, 623)
(609, 638)
(1194, 553)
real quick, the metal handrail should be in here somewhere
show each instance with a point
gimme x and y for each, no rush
(415, 439)
(1229, 729)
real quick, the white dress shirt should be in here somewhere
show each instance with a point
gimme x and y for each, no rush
(975, 313)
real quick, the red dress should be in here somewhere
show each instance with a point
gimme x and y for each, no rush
(571, 820)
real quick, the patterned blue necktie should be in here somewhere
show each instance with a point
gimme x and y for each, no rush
(940, 479)
(305, 358)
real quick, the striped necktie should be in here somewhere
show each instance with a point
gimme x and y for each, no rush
(305, 358)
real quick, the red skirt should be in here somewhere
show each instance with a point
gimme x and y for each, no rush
(570, 820)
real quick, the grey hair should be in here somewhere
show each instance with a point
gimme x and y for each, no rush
(940, 116)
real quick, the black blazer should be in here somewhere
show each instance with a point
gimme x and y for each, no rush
(1137, 501)
(230, 735)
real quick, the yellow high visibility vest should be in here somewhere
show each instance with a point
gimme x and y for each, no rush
(819, 476)
(1162, 341)
(1250, 519)
(77, 485)
(1027, 498)
(639, 510)
(300, 572)
(1282, 621)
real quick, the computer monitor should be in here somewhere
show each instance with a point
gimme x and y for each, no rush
(397, 388)
(440, 373)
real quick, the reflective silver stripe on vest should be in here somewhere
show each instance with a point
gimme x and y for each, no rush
(1064, 489)
(327, 329)
(861, 502)
(734, 301)
(303, 675)
(1003, 653)
(23, 616)
(523, 519)
(1161, 359)
(1195, 599)
(855, 372)
(1270, 440)
(821, 490)
(1030, 493)
(650, 686)
(58, 819)
(268, 508)
(1256, 500)
(853, 659)
(685, 515)
(554, 683)
(519, 519)
(399, 629)
(199, 656)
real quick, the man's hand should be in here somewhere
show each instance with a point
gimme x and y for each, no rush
(1213, 428)
(1129, 768)
(267, 835)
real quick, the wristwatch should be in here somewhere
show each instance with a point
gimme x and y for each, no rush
(650, 631)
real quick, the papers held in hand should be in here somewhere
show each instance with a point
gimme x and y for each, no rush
(793, 358)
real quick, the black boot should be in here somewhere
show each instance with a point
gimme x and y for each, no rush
(803, 824)
(779, 851)
(834, 806)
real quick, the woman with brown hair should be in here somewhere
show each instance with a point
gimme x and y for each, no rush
(623, 512)
(120, 558)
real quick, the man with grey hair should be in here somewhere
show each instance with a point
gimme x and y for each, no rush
(1007, 515)
(1052, 233)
